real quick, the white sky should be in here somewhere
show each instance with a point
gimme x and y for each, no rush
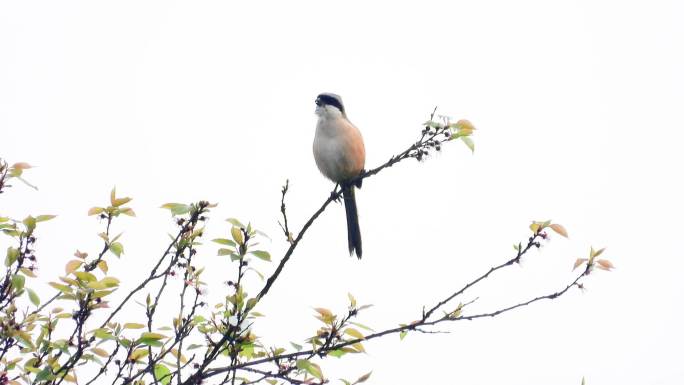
(579, 111)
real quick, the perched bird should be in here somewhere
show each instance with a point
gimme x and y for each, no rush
(340, 156)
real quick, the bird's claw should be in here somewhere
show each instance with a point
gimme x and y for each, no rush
(335, 196)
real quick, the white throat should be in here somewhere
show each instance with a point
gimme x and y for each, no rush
(328, 113)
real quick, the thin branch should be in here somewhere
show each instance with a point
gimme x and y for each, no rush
(531, 242)
(409, 327)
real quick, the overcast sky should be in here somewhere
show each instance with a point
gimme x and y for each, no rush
(578, 106)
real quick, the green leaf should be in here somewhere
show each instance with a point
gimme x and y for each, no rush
(362, 326)
(109, 282)
(100, 352)
(85, 276)
(12, 255)
(95, 210)
(43, 218)
(149, 342)
(63, 288)
(18, 282)
(128, 211)
(597, 252)
(103, 334)
(138, 354)
(116, 248)
(235, 222)
(250, 304)
(262, 255)
(131, 325)
(354, 333)
(237, 235)
(154, 336)
(311, 368)
(352, 300)
(176, 208)
(223, 241)
(121, 201)
(402, 334)
(33, 297)
(162, 374)
(297, 347)
(337, 353)
(44, 374)
(469, 143)
(30, 223)
(223, 251)
(103, 266)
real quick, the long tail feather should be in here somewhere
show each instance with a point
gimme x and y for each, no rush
(353, 230)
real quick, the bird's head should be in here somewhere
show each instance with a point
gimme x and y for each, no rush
(329, 105)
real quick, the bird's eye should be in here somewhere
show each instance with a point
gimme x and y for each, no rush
(318, 102)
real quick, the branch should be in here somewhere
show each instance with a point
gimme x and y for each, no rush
(414, 326)
(531, 242)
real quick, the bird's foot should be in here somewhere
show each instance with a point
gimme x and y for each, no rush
(334, 194)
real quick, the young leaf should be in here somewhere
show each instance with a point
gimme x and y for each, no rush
(21, 166)
(128, 211)
(597, 252)
(85, 276)
(262, 255)
(235, 222)
(362, 326)
(116, 248)
(18, 282)
(326, 315)
(363, 378)
(95, 210)
(120, 201)
(352, 300)
(605, 264)
(131, 325)
(465, 126)
(162, 374)
(100, 352)
(579, 262)
(535, 227)
(109, 282)
(12, 255)
(33, 297)
(43, 218)
(72, 266)
(468, 142)
(223, 241)
(354, 333)
(176, 208)
(138, 354)
(236, 233)
(559, 229)
(297, 347)
(102, 265)
(310, 367)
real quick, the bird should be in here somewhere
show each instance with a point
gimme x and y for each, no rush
(340, 155)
